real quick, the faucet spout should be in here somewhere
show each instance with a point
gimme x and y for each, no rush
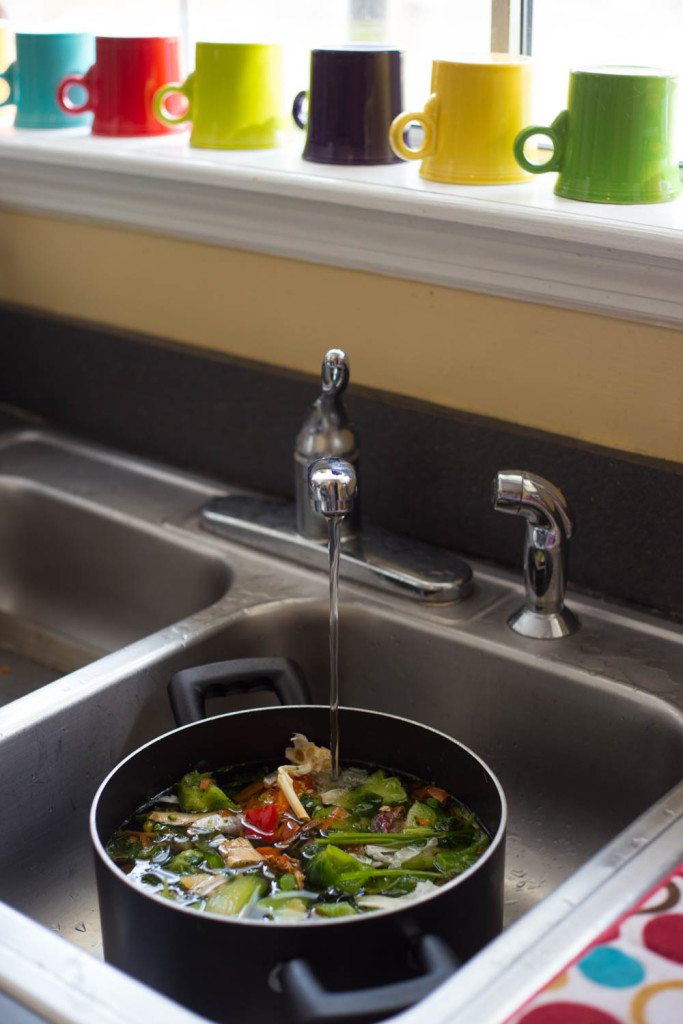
(549, 528)
(332, 484)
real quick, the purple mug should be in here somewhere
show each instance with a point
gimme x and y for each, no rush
(355, 93)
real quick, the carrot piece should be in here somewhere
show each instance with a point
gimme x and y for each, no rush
(249, 791)
(439, 794)
(281, 801)
(144, 837)
(283, 863)
(288, 831)
(434, 791)
(303, 784)
(337, 814)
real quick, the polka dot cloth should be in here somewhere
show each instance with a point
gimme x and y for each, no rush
(631, 974)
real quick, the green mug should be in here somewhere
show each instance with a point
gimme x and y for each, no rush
(234, 97)
(614, 142)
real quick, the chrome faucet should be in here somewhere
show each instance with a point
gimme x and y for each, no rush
(297, 530)
(549, 528)
(327, 432)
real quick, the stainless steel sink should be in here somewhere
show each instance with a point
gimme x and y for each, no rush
(77, 582)
(585, 734)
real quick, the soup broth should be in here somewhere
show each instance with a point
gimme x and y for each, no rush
(290, 843)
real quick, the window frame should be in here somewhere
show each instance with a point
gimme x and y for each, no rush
(512, 26)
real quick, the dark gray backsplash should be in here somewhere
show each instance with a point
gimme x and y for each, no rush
(425, 470)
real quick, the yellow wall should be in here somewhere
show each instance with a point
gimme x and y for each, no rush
(599, 379)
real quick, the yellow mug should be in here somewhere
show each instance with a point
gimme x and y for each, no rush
(470, 121)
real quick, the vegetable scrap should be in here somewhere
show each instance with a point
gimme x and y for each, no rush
(294, 844)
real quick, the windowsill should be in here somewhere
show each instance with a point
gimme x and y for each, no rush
(519, 241)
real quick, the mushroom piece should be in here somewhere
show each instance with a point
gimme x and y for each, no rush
(202, 885)
(174, 817)
(199, 822)
(306, 757)
(229, 824)
(238, 853)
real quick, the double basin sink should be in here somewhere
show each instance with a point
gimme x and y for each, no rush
(108, 586)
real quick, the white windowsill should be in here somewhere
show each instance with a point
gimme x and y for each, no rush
(519, 241)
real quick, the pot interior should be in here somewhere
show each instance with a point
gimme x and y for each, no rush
(260, 736)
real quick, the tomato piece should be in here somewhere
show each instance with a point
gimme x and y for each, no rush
(263, 819)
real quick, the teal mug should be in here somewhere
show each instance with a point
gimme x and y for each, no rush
(615, 142)
(43, 60)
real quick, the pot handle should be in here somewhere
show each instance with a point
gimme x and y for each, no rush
(313, 1004)
(189, 689)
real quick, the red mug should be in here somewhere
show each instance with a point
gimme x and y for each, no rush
(122, 82)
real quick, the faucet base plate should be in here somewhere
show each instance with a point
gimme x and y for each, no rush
(374, 557)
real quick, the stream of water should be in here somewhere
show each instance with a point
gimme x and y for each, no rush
(334, 524)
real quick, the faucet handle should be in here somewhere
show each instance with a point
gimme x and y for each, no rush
(549, 527)
(334, 374)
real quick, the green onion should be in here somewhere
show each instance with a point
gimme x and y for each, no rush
(406, 838)
(351, 876)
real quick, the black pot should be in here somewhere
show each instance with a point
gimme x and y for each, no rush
(350, 969)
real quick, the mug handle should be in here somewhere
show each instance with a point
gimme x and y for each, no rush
(9, 75)
(557, 133)
(173, 89)
(397, 140)
(64, 100)
(297, 107)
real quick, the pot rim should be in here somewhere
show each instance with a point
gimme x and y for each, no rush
(496, 840)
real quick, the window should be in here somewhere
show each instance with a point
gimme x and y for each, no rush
(142, 17)
(567, 35)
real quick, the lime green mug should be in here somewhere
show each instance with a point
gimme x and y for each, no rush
(614, 142)
(234, 97)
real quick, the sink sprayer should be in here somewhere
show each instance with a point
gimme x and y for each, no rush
(549, 528)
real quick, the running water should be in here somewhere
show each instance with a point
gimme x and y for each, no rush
(332, 487)
(334, 533)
